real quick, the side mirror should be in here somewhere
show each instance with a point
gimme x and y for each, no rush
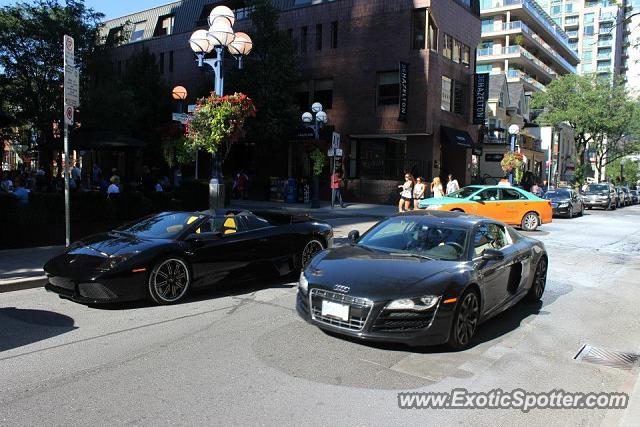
(354, 235)
(476, 199)
(492, 255)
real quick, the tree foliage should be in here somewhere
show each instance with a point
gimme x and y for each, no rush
(31, 68)
(135, 102)
(605, 120)
(269, 77)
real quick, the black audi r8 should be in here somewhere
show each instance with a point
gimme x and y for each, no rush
(164, 256)
(422, 278)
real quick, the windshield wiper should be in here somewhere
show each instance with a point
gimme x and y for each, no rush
(411, 255)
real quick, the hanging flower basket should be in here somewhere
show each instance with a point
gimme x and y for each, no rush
(513, 162)
(218, 121)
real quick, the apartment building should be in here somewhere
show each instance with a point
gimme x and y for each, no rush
(631, 47)
(596, 32)
(523, 49)
(349, 54)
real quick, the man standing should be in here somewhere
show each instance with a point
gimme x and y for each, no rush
(452, 185)
(336, 177)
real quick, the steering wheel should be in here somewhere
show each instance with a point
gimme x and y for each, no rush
(459, 248)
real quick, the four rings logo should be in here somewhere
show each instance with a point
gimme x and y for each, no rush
(341, 288)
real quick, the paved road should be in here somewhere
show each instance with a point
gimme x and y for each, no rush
(242, 356)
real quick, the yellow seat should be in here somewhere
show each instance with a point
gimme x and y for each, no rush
(229, 226)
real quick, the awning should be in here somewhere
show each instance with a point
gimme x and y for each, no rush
(456, 137)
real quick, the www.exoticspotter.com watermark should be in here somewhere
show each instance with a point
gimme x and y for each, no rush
(523, 400)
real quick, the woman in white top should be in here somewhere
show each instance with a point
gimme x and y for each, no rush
(114, 188)
(406, 195)
(436, 188)
(452, 185)
(418, 192)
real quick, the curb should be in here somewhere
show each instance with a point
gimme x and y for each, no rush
(22, 284)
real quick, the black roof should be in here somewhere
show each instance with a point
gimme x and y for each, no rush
(459, 219)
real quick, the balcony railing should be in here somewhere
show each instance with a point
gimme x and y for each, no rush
(535, 10)
(605, 43)
(517, 74)
(516, 50)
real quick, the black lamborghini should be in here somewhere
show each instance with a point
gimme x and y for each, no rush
(164, 256)
(422, 278)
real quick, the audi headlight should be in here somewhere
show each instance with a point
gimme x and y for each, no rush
(434, 206)
(418, 304)
(563, 205)
(303, 283)
(113, 261)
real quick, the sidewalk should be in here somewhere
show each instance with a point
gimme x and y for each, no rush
(324, 211)
(22, 268)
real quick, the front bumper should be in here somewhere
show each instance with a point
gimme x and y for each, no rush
(100, 290)
(564, 211)
(591, 203)
(405, 327)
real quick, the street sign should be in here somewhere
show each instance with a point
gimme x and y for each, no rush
(68, 114)
(335, 140)
(69, 51)
(181, 117)
(71, 86)
(338, 151)
(330, 152)
(191, 108)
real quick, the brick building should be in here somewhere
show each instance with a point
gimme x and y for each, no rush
(349, 56)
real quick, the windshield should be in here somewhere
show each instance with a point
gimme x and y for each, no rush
(557, 194)
(463, 193)
(165, 225)
(417, 236)
(598, 188)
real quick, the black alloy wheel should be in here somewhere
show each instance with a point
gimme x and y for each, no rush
(169, 281)
(311, 248)
(539, 281)
(465, 321)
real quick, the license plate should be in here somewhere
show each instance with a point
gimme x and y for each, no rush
(333, 309)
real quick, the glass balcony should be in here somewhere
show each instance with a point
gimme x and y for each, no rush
(517, 74)
(535, 10)
(516, 50)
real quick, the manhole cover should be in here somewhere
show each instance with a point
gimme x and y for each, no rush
(611, 358)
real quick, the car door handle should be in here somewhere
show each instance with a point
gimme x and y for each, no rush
(264, 239)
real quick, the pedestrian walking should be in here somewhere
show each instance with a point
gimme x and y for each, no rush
(418, 192)
(336, 179)
(76, 175)
(452, 184)
(436, 188)
(406, 193)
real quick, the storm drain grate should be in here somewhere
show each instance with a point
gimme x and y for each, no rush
(611, 358)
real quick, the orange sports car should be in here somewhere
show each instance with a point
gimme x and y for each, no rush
(511, 205)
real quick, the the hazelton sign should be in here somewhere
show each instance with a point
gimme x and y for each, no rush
(404, 91)
(480, 97)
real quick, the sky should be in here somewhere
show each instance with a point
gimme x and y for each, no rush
(112, 8)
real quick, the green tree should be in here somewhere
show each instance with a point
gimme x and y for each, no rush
(630, 171)
(603, 117)
(31, 68)
(269, 77)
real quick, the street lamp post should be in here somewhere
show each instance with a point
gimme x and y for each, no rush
(314, 120)
(513, 133)
(203, 42)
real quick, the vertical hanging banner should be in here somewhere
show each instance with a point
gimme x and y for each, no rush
(480, 97)
(404, 91)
